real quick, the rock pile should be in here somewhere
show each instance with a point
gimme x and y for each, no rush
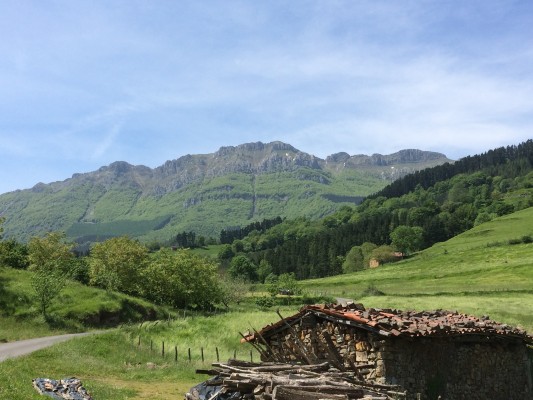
(68, 388)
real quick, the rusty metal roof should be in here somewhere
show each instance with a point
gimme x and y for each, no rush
(397, 323)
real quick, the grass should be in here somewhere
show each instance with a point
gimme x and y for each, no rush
(76, 308)
(113, 366)
(476, 272)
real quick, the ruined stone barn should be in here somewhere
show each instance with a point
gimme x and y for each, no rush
(426, 354)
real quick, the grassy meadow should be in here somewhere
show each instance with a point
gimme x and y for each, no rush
(485, 271)
(477, 272)
(75, 309)
(112, 365)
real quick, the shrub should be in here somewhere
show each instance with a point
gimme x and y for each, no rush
(372, 290)
(264, 302)
(527, 239)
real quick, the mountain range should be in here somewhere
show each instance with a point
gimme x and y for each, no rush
(204, 193)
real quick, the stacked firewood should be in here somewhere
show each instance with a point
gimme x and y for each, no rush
(274, 381)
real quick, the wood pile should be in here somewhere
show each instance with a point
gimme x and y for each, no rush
(276, 381)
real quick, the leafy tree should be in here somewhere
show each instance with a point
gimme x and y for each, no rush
(225, 252)
(13, 254)
(50, 253)
(182, 279)
(287, 283)
(263, 270)
(50, 258)
(367, 248)
(383, 254)
(116, 264)
(233, 290)
(354, 260)
(47, 285)
(271, 284)
(407, 239)
(242, 267)
(237, 246)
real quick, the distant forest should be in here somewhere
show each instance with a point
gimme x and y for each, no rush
(444, 201)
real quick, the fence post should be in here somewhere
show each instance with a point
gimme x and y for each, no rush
(234, 354)
(251, 356)
(202, 351)
(189, 354)
(163, 349)
(151, 345)
(176, 353)
(139, 341)
(218, 358)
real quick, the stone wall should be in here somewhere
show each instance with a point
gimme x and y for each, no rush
(467, 367)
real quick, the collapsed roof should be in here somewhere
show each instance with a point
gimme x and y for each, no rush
(397, 323)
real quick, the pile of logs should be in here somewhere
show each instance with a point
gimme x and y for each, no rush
(274, 381)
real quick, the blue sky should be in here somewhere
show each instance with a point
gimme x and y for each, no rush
(86, 83)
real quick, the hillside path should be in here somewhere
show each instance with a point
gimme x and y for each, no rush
(21, 347)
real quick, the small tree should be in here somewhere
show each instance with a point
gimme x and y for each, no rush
(50, 253)
(50, 258)
(117, 263)
(182, 279)
(233, 290)
(47, 285)
(242, 267)
(354, 260)
(264, 270)
(407, 238)
(288, 284)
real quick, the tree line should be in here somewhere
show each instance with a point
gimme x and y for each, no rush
(176, 278)
(440, 202)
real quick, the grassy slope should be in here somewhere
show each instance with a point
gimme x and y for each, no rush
(463, 273)
(87, 210)
(75, 307)
(112, 366)
(477, 272)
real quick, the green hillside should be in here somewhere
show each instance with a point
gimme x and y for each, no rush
(77, 308)
(202, 193)
(486, 270)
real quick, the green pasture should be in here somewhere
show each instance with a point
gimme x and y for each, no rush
(485, 271)
(117, 365)
(477, 272)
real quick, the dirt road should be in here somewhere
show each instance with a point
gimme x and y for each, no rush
(21, 347)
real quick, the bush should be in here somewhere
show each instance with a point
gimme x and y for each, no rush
(527, 239)
(264, 302)
(372, 290)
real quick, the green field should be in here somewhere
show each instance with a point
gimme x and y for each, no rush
(113, 366)
(476, 272)
(480, 272)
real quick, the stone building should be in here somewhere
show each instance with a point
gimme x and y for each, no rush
(424, 354)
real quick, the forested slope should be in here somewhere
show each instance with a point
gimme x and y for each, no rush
(444, 201)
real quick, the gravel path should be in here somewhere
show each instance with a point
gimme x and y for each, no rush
(21, 347)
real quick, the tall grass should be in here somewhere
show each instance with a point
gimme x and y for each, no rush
(113, 366)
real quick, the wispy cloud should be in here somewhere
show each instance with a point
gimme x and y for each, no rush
(89, 83)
